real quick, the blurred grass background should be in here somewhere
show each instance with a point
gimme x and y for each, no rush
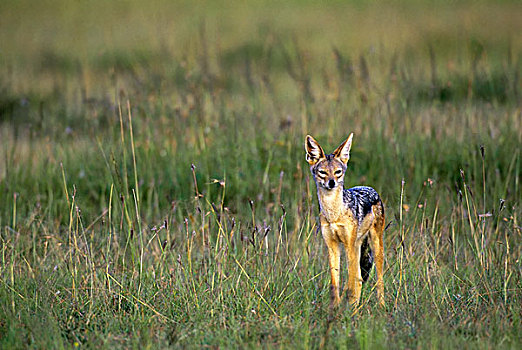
(153, 189)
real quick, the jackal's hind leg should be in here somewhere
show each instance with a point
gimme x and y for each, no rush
(376, 243)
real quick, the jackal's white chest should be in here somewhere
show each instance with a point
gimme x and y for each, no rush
(332, 207)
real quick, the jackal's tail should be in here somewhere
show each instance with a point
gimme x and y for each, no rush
(366, 261)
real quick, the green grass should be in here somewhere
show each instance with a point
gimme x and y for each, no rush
(154, 191)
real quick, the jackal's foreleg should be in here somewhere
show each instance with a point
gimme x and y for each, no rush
(354, 283)
(334, 259)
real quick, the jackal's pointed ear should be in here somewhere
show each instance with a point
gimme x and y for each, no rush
(343, 151)
(314, 152)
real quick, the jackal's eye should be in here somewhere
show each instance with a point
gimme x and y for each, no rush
(338, 172)
(322, 172)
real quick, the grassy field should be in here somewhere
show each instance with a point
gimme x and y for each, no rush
(154, 191)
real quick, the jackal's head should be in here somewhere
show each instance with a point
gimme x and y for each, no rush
(328, 170)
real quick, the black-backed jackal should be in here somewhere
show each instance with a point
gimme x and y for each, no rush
(353, 217)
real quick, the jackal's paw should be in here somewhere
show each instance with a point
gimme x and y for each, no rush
(381, 302)
(335, 302)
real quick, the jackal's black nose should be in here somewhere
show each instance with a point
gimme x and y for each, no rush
(331, 184)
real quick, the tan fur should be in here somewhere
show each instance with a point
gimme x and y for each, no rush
(339, 224)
